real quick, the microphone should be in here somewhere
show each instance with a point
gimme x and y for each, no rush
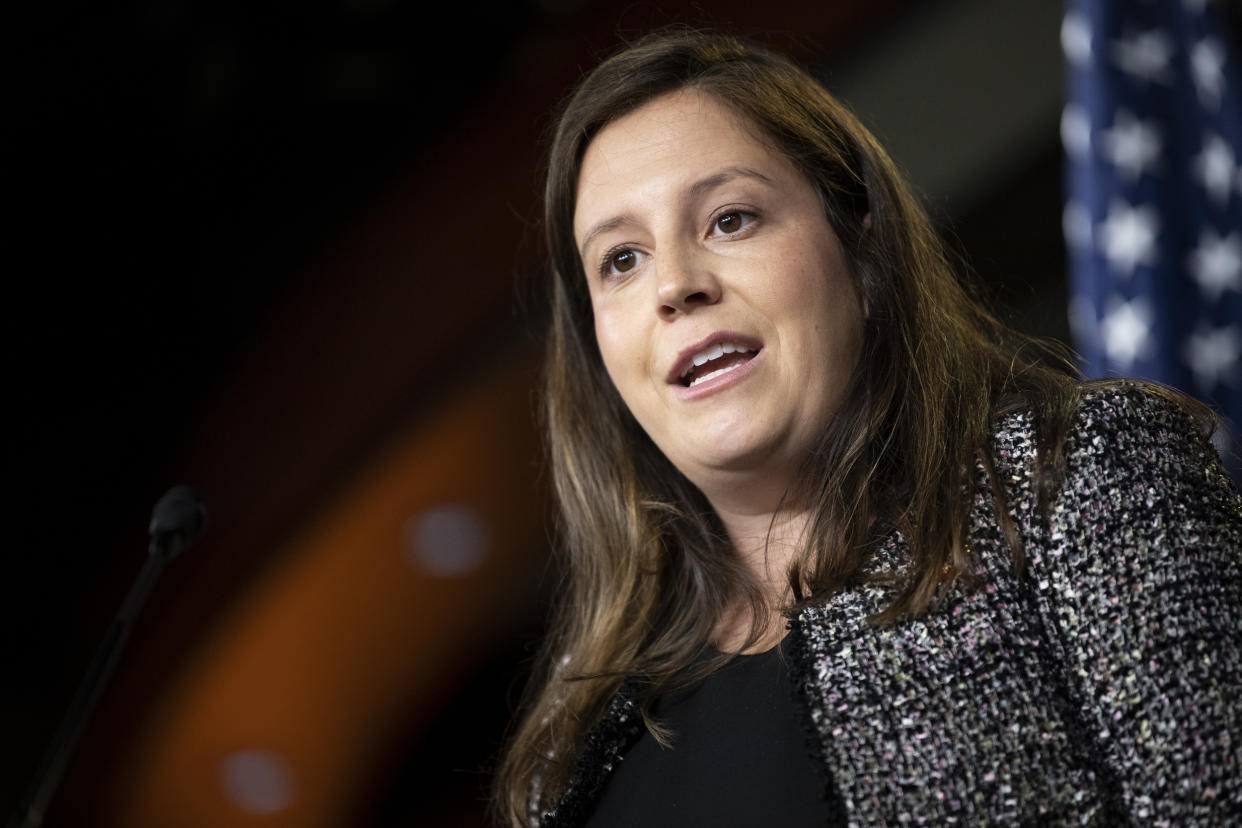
(178, 518)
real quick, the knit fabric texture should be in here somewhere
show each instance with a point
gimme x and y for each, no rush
(1100, 686)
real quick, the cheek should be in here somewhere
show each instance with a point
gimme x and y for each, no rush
(833, 312)
(606, 334)
(612, 337)
(846, 339)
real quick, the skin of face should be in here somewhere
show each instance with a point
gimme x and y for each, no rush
(694, 231)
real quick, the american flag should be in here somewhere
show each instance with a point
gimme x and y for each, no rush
(1152, 130)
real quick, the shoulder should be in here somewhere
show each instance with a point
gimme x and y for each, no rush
(1137, 453)
(1138, 425)
(1136, 476)
(1109, 417)
(1121, 436)
(1137, 479)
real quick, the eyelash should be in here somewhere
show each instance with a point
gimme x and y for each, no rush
(749, 217)
(608, 260)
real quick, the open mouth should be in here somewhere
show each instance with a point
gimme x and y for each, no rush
(715, 361)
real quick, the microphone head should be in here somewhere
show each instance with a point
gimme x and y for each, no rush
(179, 515)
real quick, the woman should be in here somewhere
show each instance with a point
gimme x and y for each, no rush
(790, 450)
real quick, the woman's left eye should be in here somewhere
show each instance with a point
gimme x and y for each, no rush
(731, 222)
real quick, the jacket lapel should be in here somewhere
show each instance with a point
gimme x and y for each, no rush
(603, 749)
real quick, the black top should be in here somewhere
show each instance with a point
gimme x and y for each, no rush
(739, 757)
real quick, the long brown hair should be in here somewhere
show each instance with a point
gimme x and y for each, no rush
(648, 567)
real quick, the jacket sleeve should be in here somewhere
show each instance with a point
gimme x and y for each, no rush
(1139, 579)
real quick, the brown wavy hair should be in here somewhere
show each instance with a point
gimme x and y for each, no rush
(648, 567)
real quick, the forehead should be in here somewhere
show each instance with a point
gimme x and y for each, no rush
(664, 145)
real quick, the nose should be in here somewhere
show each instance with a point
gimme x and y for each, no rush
(686, 281)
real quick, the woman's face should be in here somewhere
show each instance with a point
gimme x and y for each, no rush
(724, 308)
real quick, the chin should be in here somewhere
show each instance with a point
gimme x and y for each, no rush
(759, 459)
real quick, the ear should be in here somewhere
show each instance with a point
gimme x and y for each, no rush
(866, 222)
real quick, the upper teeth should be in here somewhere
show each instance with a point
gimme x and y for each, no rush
(714, 352)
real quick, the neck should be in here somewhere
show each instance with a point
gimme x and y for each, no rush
(767, 542)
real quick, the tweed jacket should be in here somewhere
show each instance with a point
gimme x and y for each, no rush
(1100, 686)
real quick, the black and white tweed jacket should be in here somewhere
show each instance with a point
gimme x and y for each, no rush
(1102, 686)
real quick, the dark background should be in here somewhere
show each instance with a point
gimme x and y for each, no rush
(198, 188)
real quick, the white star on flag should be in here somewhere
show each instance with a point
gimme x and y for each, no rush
(1128, 236)
(1207, 62)
(1126, 328)
(1076, 38)
(1131, 145)
(1215, 167)
(1216, 264)
(1213, 355)
(1144, 55)
(1076, 131)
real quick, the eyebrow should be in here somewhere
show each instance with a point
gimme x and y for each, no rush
(692, 192)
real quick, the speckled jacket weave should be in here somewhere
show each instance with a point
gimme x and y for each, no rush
(1102, 686)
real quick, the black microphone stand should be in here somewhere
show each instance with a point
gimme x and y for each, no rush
(177, 519)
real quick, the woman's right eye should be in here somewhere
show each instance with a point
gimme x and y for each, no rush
(619, 261)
